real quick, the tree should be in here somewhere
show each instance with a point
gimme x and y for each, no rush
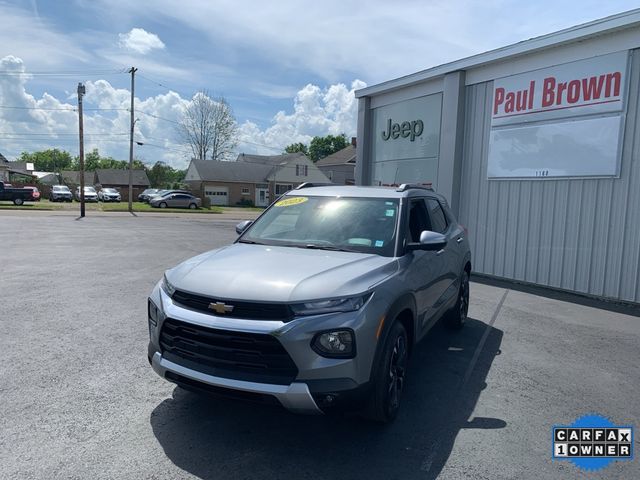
(51, 160)
(297, 147)
(321, 147)
(165, 176)
(209, 127)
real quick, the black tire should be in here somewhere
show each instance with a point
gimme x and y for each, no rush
(18, 201)
(390, 376)
(457, 316)
(163, 205)
(193, 206)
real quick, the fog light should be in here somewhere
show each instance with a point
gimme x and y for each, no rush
(335, 344)
(152, 313)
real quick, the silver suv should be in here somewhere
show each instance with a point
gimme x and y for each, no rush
(318, 303)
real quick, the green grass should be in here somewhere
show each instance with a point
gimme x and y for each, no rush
(102, 207)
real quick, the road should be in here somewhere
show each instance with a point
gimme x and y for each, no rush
(79, 399)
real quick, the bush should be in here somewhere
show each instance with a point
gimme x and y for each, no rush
(245, 202)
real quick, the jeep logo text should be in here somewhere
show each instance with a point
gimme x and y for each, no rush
(405, 129)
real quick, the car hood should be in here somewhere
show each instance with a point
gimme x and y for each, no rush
(279, 274)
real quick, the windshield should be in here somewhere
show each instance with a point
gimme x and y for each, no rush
(62, 188)
(89, 190)
(109, 190)
(365, 225)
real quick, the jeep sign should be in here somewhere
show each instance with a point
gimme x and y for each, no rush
(406, 129)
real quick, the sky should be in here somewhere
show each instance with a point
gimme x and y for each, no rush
(288, 68)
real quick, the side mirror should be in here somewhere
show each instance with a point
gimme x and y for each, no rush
(242, 226)
(430, 241)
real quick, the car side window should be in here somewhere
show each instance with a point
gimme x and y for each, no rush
(418, 220)
(437, 216)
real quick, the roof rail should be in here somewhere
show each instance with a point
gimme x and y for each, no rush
(313, 184)
(423, 186)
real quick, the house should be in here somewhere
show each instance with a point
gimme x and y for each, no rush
(4, 169)
(340, 166)
(251, 179)
(71, 178)
(288, 170)
(119, 179)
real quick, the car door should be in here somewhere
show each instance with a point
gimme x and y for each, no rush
(449, 263)
(425, 267)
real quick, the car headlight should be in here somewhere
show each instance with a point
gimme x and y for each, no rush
(167, 287)
(339, 343)
(333, 305)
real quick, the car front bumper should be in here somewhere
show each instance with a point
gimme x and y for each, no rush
(321, 384)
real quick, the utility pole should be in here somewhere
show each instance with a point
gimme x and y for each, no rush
(132, 71)
(81, 92)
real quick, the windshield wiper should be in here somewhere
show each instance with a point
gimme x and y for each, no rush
(314, 246)
(250, 241)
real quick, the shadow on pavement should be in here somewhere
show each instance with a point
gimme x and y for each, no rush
(217, 438)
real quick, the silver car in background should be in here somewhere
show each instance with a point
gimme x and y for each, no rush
(176, 200)
(60, 193)
(319, 302)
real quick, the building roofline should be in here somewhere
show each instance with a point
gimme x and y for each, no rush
(607, 25)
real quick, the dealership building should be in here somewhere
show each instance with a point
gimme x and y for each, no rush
(536, 146)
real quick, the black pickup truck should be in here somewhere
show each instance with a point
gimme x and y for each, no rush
(16, 195)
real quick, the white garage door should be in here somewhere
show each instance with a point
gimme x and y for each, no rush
(217, 195)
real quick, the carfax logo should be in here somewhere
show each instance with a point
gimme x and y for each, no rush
(592, 442)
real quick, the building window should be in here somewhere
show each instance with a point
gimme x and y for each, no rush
(280, 189)
(245, 190)
(302, 170)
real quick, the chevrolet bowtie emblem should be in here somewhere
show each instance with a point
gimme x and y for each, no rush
(221, 307)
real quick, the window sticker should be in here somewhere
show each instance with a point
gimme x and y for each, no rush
(390, 212)
(287, 202)
(379, 243)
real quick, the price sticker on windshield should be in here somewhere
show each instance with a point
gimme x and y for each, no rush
(287, 202)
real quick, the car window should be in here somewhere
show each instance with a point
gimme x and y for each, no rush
(418, 220)
(436, 215)
(365, 225)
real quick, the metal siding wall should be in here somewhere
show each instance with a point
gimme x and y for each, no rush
(581, 235)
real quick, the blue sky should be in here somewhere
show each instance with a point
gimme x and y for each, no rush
(288, 68)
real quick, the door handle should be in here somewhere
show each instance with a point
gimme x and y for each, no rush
(440, 252)
(459, 239)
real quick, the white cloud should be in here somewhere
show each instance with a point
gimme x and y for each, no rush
(140, 41)
(48, 122)
(316, 111)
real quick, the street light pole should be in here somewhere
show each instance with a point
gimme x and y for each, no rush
(81, 92)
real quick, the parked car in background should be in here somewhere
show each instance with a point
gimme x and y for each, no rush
(176, 200)
(60, 193)
(90, 194)
(35, 193)
(109, 195)
(162, 193)
(16, 195)
(144, 196)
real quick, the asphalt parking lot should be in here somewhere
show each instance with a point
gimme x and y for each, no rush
(79, 399)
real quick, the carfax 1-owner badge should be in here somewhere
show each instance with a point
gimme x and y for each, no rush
(592, 442)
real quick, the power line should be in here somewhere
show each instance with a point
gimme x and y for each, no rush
(72, 109)
(156, 116)
(54, 134)
(64, 73)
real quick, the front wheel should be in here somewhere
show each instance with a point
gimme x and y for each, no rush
(193, 206)
(389, 378)
(163, 205)
(457, 317)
